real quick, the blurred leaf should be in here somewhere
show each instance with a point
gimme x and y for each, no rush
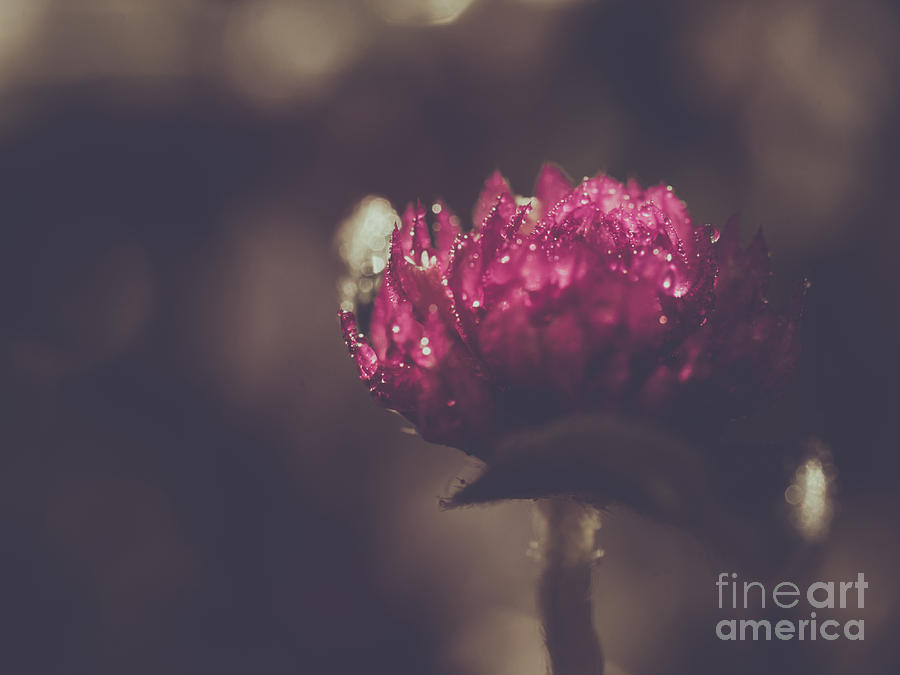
(731, 497)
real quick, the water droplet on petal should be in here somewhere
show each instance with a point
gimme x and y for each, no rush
(668, 280)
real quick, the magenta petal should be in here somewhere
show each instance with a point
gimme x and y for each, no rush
(603, 296)
(418, 285)
(394, 327)
(395, 263)
(464, 272)
(663, 197)
(509, 343)
(567, 352)
(593, 196)
(415, 238)
(360, 351)
(397, 387)
(606, 192)
(495, 194)
(492, 233)
(454, 402)
(551, 186)
(446, 229)
(498, 231)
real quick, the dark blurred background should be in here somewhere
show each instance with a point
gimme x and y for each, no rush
(194, 481)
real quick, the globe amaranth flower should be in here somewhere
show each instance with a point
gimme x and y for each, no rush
(603, 296)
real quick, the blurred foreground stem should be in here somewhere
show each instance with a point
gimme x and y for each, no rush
(564, 591)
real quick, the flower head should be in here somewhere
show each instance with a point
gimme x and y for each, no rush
(599, 297)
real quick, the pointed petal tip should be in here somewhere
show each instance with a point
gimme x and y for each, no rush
(551, 185)
(348, 321)
(496, 193)
(358, 346)
(552, 170)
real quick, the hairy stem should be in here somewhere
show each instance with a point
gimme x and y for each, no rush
(564, 592)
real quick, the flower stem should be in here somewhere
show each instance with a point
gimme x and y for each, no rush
(564, 591)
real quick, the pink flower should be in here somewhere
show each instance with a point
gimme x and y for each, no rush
(599, 297)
